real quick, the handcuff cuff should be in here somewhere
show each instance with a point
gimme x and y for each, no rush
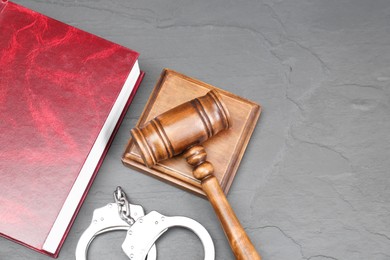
(142, 231)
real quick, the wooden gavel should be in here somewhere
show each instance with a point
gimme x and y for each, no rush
(182, 130)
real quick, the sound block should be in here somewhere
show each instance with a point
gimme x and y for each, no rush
(224, 151)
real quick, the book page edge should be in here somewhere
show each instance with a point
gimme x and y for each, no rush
(70, 205)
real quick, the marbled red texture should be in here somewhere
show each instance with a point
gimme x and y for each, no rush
(57, 87)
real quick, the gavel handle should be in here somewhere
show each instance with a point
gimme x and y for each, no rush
(239, 241)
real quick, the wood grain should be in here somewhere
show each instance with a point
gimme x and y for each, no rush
(225, 150)
(188, 124)
(239, 241)
(183, 129)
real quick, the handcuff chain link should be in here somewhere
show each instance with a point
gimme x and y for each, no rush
(123, 205)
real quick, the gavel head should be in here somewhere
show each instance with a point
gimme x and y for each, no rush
(186, 125)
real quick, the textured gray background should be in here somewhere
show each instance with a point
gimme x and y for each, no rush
(314, 181)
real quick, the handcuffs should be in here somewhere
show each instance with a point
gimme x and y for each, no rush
(142, 231)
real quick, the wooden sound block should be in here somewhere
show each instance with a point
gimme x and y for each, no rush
(225, 150)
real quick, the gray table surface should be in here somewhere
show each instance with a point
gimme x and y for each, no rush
(314, 182)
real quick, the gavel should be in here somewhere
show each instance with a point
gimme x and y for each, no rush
(182, 130)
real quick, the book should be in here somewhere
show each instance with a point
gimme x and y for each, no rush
(63, 94)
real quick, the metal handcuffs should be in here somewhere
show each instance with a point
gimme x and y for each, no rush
(142, 230)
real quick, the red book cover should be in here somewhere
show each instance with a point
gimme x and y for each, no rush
(63, 93)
